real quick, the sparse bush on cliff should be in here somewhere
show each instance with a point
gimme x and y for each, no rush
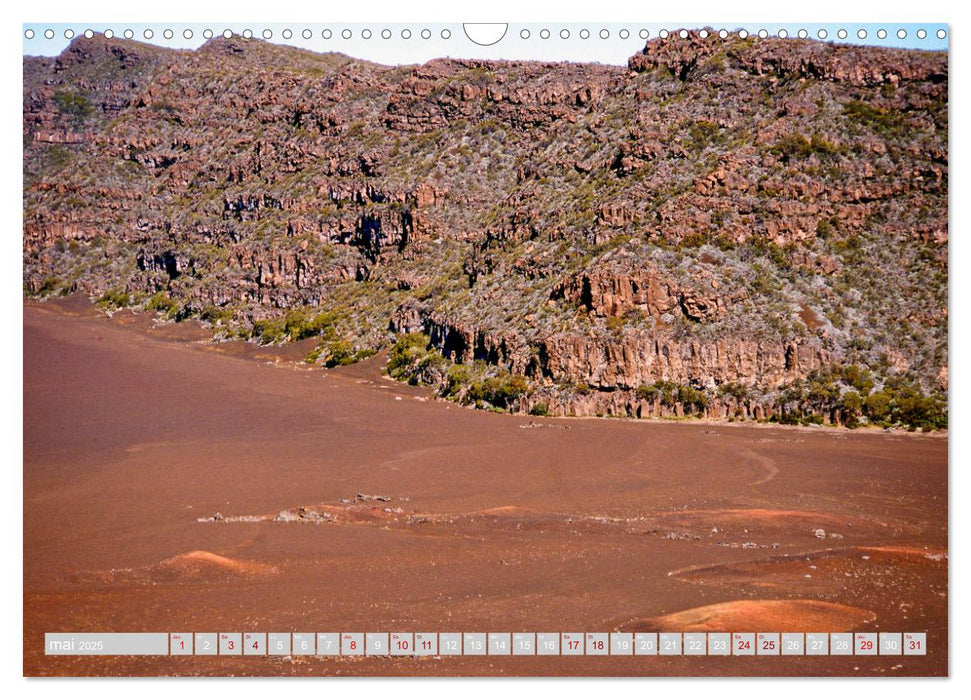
(851, 407)
(499, 391)
(268, 331)
(885, 122)
(825, 229)
(670, 394)
(162, 304)
(73, 105)
(297, 324)
(303, 323)
(457, 379)
(342, 352)
(216, 315)
(693, 400)
(798, 146)
(407, 351)
(724, 243)
(646, 392)
(737, 391)
(114, 299)
(781, 256)
(539, 409)
(847, 393)
(51, 286)
(575, 388)
(667, 392)
(615, 324)
(702, 134)
(902, 402)
(858, 378)
(314, 355)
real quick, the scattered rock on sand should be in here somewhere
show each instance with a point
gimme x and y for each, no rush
(365, 498)
(295, 515)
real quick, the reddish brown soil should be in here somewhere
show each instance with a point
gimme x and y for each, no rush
(136, 435)
(766, 615)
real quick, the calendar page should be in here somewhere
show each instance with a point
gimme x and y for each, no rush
(519, 349)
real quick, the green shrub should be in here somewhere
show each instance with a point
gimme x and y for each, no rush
(703, 133)
(430, 365)
(900, 402)
(457, 378)
(737, 391)
(297, 324)
(885, 122)
(615, 324)
(364, 353)
(691, 398)
(694, 240)
(539, 409)
(667, 392)
(825, 229)
(114, 299)
(341, 353)
(820, 393)
(671, 394)
(499, 391)
(216, 315)
(851, 408)
(162, 304)
(724, 242)
(269, 331)
(852, 402)
(910, 407)
(49, 286)
(877, 406)
(794, 146)
(858, 378)
(303, 323)
(314, 355)
(74, 105)
(405, 354)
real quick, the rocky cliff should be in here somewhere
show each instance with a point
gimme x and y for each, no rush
(722, 213)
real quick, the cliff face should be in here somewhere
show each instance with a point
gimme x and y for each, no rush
(721, 212)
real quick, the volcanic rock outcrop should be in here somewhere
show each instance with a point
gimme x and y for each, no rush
(720, 213)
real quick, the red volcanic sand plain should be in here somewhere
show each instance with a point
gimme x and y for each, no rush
(174, 485)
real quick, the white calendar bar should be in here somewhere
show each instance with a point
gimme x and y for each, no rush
(441, 644)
